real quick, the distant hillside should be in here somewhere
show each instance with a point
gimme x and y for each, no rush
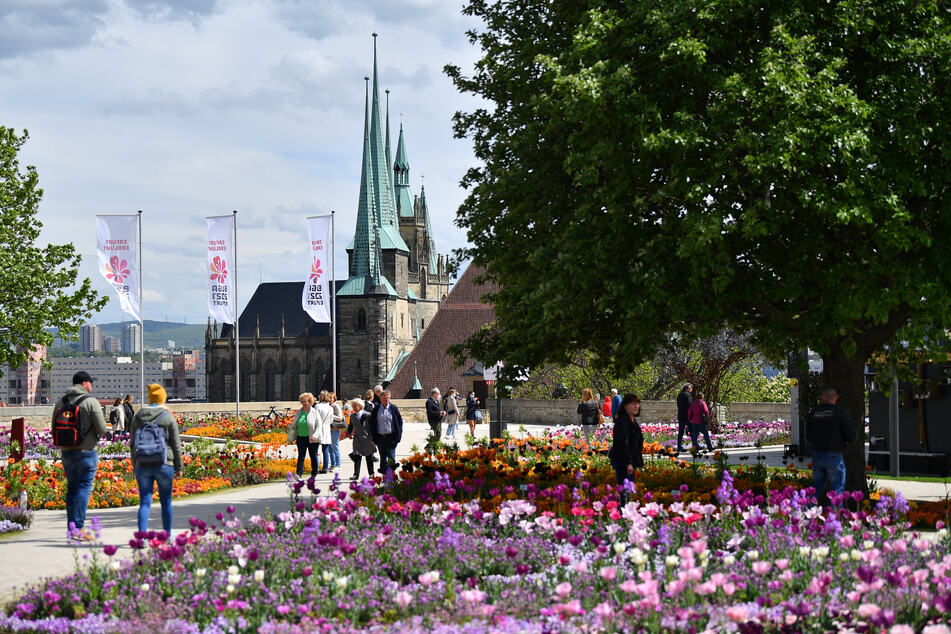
(157, 333)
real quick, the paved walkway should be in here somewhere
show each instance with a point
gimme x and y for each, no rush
(42, 551)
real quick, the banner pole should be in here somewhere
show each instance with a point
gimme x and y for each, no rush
(141, 323)
(237, 316)
(333, 301)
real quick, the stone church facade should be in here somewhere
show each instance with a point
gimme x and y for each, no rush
(396, 282)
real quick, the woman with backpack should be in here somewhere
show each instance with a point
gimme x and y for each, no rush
(117, 416)
(156, 455)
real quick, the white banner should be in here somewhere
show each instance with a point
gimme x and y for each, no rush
(116, 239)
(221, 299)
(316, 296)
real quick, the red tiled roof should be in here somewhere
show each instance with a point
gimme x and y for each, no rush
(459, 316)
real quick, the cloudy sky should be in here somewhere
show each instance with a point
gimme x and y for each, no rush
(191, 108)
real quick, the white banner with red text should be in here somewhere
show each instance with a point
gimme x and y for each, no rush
(221, 295)
(116, 247)
(315, 298)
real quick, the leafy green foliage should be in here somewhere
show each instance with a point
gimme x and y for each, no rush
(36, 287)
(778, 168)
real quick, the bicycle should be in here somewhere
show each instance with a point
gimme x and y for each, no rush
(273, 415)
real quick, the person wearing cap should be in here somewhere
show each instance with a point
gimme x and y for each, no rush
(80, 462)
(148, 475)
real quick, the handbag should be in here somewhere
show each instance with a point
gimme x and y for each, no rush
(478, 415)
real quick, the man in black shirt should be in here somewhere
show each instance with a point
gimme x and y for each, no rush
(829, 429)
(684, 399)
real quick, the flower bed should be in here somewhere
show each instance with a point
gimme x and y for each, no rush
(731, 434)
(14, 518)
(360, 560)
(235, 428)
(206, 467)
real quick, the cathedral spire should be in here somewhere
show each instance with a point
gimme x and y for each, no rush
(383, 194)
(365, 276)
(430, 242)
(404, 200)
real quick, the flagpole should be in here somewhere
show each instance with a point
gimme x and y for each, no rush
(141, 323)
(237, 316)
(333, 300)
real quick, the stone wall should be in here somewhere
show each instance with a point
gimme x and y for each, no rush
(412, 410)
(564, 411)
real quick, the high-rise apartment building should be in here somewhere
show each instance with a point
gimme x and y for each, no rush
(27, 384)
(112, 344)
(131, 339)
(90, 338)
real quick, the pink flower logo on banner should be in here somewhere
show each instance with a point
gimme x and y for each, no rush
(315, 271)
(117, 270)
(219, 270)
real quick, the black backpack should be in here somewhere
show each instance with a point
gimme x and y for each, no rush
(67, 427)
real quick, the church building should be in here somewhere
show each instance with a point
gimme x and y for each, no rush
(395, 284)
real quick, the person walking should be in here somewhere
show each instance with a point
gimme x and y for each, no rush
(325, 416)
(684, 400)
(386, 428)
(698, 415)
(452, 412)
(150, 468)
(301, 433)
(472, 406)
(359, 430)
(615, 402)
(434, 413)
(606, 407)
(81, 461)
(627, 449)
(337, 425)
(117, 416)
(127, 406)
(829, 429)
(589, 412)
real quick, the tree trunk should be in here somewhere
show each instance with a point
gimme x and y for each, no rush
(847, 376)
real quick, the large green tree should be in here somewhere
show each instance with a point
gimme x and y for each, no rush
(677, 166)
(38, 283)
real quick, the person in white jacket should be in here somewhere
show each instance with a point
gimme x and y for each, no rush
(325, 415)
(301, 431)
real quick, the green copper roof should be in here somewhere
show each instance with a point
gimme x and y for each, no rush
(410, 294)
(366, 278)
(404, 200)
(429, 230)
(400, 360)
(380, 173)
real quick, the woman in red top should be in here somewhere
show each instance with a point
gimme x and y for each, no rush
(697, 415)
(606, 407)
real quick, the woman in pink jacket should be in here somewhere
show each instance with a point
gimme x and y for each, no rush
(697, 416)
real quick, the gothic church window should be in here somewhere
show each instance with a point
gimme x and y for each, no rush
(361, 320)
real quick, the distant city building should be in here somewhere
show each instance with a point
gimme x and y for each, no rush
(114, 375)
(186, 378)
(131, 339)
(90, 338)
(27, 384)
(170, 344)
(111, 344)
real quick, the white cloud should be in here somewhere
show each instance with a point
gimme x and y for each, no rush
(190, 108)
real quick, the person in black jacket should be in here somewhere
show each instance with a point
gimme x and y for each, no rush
(127, 406)
(434, 413)
(386, 429)
(684, 400)
(829, 429)
(627, 451)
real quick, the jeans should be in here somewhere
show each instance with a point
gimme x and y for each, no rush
(451, 429)
(696, 430)
(304, 446)
(828, 472)
(325, 452)
(387, 456)
(146, 476)
(80, 468)
(334, 447)
(683, 426)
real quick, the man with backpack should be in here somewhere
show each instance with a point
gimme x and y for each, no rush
(77, 425)
(156, 455)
